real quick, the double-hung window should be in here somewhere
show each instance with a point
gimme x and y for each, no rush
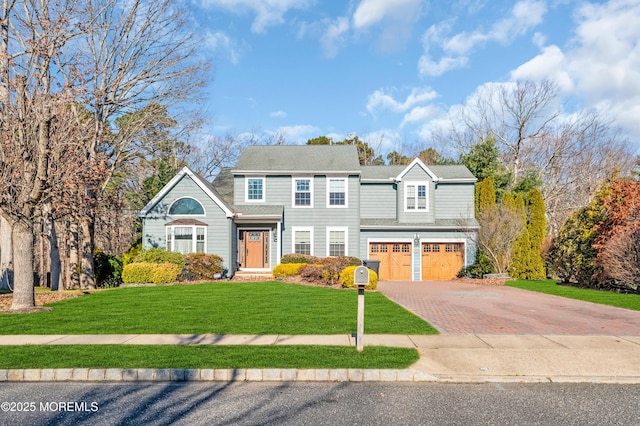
(303, 240)
(302, 192)
(337, 239)
(336, 192)
(254, 189)
(415, 196)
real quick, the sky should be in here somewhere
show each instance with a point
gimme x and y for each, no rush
(394, 71)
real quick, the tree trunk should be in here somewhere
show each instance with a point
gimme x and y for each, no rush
(6, 254)
(87, 273)
(49, 232)
(23, 293)
(74, 272)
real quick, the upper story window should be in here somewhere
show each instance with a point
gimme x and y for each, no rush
(415, 196)
(254, 189)
(302, 192)
(186, 206)
(336, 192)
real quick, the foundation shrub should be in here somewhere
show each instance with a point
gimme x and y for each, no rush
(347, 278)
(287, 270)
(298, 258)
(164, 273)
(201, 266)
(311, 273)
(158, 255)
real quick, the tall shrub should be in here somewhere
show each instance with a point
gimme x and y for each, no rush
(537, 228)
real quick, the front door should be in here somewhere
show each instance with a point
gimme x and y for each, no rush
(254, 246)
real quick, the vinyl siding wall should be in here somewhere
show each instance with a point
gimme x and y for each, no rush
(279, 191)
(378, 201)
(218, 225)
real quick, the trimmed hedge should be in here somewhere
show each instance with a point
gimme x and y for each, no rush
(147, 272)
(158, 255)
(347, 278)
(298, 258)
(287, 269)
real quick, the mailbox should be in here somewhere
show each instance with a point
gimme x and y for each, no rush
(361, 276)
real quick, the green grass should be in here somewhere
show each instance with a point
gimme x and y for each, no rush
(143, 356)
(218, 308)
(627, 301)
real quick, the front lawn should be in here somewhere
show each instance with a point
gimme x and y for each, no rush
(218, 308)
(204, 356)
(627, 301)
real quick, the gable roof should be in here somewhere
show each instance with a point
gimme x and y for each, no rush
(201, 182)
(273, 159)
(448, 173)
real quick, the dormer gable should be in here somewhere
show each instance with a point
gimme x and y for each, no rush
(417, 164)
(199, 181)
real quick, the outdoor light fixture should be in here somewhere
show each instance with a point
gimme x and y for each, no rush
(416, 239)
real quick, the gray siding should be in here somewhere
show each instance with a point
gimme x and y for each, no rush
(454, 200)
(218, 225)
(416, 174)
(378, 201)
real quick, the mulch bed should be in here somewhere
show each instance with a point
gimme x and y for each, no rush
(41, 298)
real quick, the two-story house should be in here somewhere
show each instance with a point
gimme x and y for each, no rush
(417, 220)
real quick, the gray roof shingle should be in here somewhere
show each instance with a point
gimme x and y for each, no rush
(299, 158)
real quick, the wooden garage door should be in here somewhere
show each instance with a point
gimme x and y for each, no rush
(395, 260)
(442, 261)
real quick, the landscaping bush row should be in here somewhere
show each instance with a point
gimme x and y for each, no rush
(328, 270)
(160, 266)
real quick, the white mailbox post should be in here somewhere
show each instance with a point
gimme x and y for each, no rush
(361, 279)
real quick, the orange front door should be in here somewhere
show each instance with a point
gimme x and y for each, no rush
(256, 249)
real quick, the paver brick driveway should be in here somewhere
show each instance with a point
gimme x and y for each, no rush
(456, 307)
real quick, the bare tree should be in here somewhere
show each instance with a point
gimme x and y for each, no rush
(29, 101)
(570, 155)
(621, 259)
(138, 57)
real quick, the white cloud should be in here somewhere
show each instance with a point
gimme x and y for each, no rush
(220, 42)
(370, 12)
(379, 100)
(298, 134)
(606, 63)
(334, 36)
(550, 64)
(278, 114)
(268, 12)
(524, 16)
(420, 114)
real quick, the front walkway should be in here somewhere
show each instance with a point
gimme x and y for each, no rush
(456, 307)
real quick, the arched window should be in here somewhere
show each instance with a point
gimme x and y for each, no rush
(186, 206)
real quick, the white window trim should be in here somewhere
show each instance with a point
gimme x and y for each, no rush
(416, 184)
(293, 191)
(170, 230)
(345, 229)
(246, 189)
(187, 215)
(295, 229)
(346, 192)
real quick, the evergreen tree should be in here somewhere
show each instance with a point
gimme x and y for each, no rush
(483, 160)
(537, 228)
(485, 196)
(521, 252)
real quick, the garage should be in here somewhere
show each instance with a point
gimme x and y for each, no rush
(442, 261)
(395, 260)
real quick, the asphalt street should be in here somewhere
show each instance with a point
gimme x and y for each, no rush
(318, 404)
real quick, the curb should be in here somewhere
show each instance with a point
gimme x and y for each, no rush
(212, 375)
(276, 375)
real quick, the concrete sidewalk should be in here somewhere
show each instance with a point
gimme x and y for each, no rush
(443, 358)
